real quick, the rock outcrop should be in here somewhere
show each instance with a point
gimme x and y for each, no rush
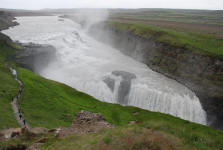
(85, 122)
(35, 57)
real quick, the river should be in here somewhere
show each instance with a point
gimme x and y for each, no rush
(102, 71)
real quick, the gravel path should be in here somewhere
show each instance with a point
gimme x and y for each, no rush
(17, 112)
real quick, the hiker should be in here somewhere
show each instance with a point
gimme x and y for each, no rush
(24, 122)
(20, 116)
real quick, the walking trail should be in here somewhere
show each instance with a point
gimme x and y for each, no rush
(14, 103)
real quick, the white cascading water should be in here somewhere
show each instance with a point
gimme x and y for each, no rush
(104, 72)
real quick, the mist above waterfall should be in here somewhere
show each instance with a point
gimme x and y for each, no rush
(102, 71)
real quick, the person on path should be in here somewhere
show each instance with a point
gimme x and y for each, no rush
(24, 122)
(20, 116)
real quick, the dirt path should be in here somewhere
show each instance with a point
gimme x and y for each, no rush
(17, 112)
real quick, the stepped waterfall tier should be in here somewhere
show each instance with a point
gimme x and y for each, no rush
(102, 71)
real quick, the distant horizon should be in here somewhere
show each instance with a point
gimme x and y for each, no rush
(1, 8)
(112, 4)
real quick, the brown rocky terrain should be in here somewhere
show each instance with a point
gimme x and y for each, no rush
(85, 122)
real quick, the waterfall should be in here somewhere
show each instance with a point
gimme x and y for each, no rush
(104, 72)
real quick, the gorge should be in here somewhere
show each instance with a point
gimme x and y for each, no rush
(102, 71)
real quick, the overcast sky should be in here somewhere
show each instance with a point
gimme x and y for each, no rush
(39, 4)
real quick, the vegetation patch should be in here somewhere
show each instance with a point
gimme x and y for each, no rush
(135, 137)
(8, 86)
(46, 102)
(199, 43)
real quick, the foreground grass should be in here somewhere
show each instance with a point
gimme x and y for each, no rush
(154, 136)
(8, 86)
(200, 43)
(129, 138)
(50, 104)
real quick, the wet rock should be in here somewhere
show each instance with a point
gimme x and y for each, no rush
(110, 83)
(125, 85)
(125, 75)
(35, 56)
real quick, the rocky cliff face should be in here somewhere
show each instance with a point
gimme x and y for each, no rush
(202, 73)
(35, 57)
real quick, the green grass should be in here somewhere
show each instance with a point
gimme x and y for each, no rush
(200, 43)
(129, 138)
(8, 86)
(183, 136)
(50, 104)
(176, 15)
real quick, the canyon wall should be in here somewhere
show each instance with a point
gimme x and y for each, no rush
(201, 72)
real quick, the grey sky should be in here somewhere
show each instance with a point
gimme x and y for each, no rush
(39, 4)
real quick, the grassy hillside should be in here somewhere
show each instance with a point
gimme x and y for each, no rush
(201, 43)
(50, 104)
(8, 86)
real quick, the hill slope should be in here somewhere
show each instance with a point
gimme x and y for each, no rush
(8, 86)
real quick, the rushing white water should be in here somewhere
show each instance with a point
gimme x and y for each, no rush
(104, 72)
